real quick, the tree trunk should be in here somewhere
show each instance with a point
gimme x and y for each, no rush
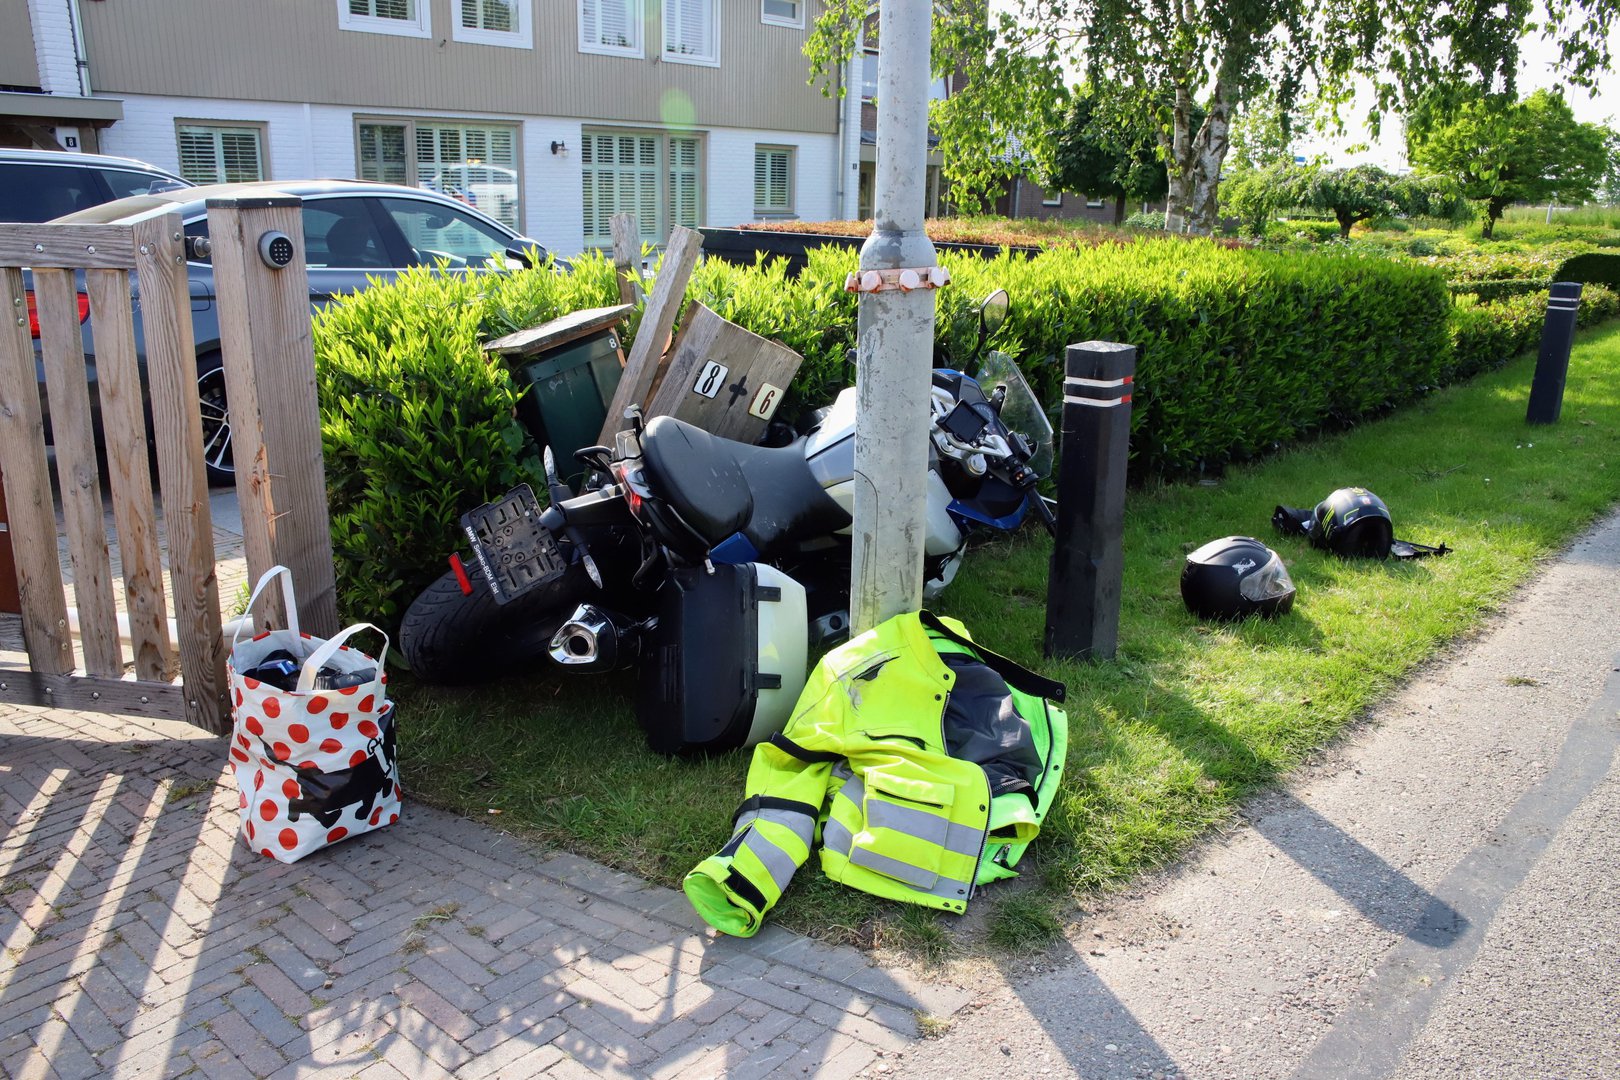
(1178, 167)
(1345, 221)
(1208, 156)
(1493, 210)
(1119, 210)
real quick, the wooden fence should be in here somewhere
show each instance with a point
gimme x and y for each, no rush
(79, 267)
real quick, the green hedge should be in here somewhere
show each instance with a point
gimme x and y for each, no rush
(1239, 351)
(1593, 268)
(1488, 335)
(417, 425)
(1499, 289)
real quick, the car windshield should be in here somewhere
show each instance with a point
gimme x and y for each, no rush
(1022, 411)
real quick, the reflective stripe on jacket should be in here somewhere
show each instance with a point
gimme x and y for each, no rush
(922, 762)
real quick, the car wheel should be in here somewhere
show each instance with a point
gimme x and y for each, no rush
(216, 421)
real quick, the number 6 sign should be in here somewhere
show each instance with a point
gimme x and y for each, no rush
(765, 401)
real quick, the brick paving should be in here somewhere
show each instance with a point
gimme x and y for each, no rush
(141, 940)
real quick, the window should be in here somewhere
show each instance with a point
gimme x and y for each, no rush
(407, 18)
(937, 90)
(610, 26)
(691, 32)
(1054, 198)
(342, 234)
(1093, 204)
(782, 12)
(437, 232)
(656, 177)
(121, 182)
(494, 22)
(220, 155)
(474, 163)
(773, 180)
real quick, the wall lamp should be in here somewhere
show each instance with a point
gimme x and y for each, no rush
(559, 147)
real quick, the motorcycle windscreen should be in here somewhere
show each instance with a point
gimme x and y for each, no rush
(1022, 411)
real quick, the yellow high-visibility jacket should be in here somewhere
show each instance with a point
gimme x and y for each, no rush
(921, 762)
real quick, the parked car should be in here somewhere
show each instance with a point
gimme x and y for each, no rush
(38, 185)
(354, 230)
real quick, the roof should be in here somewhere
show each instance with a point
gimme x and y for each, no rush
(65, 157)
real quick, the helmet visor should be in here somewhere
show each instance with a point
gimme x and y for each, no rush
(1268, 582)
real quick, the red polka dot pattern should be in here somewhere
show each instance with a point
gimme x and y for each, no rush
(272, 708)
(331, 746)
(267, 810)
(290, 789)
(299, 732)
(253, 725)
(317, 704)
(336, 834)
(356, 758)
(368, 729)
(288, 838)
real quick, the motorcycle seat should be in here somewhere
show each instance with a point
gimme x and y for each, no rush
(694, 472)
(720, 487)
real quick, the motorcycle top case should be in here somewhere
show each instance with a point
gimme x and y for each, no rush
(725, 663)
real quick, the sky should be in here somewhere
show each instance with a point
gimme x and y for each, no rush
(1598, 104)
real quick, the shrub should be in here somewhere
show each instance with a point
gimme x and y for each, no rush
(1145, 219)
(1592, 267)
(417, 424)
(1498, 289)
(1488, 335)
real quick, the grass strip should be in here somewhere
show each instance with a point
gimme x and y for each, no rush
(1167, 738)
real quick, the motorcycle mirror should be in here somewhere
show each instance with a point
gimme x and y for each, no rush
(992, 313)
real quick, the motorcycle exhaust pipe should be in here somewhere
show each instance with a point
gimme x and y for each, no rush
(595, 639)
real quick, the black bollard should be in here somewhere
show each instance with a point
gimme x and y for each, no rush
(1083, 589)
(1552, 364)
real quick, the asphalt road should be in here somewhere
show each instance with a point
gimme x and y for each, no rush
(1437, 896)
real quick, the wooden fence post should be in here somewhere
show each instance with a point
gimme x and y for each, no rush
(262, 288)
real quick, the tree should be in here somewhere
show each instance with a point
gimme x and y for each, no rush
(1359, 193)
(1093, 156)
(1501, 151)
(1172, 56)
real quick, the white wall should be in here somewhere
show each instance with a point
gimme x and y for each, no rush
(53, 46)
(306, 141)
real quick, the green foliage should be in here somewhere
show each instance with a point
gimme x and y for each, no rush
(1500, 151)
(417, 425)
(1349, 196)
(1489, 334)
(1145, 219)
(1107, 152)
(1594, 267)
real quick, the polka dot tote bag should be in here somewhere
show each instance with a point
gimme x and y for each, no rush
(312, 736)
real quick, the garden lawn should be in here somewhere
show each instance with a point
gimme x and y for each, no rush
(1166, 739)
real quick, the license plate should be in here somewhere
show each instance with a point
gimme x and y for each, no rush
(515, 552)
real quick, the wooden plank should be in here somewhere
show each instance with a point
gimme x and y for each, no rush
(10, 602)
(92, 694)
(30, 511)
(78, 479)
(269, 353)
(627, 257)
(559, 331)
(129, 476)
(718, 372)
(66, 247)
(171, 370)
(657, 320)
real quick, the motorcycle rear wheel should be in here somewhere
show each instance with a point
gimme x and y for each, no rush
(451, 638)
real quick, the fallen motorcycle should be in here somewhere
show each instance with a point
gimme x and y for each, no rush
(589, 580)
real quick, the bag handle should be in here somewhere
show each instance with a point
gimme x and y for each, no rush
(286, 595)
(329, 648)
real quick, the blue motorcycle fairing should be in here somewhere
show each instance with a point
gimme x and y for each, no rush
(734, 550)
(963, 512)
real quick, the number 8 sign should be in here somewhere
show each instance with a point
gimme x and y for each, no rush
(711, 379)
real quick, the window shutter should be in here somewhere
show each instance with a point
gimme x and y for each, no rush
(609, 23)
(689, 28)
(773, 180)
(384, 9)
(212, 155)
(683, 182)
